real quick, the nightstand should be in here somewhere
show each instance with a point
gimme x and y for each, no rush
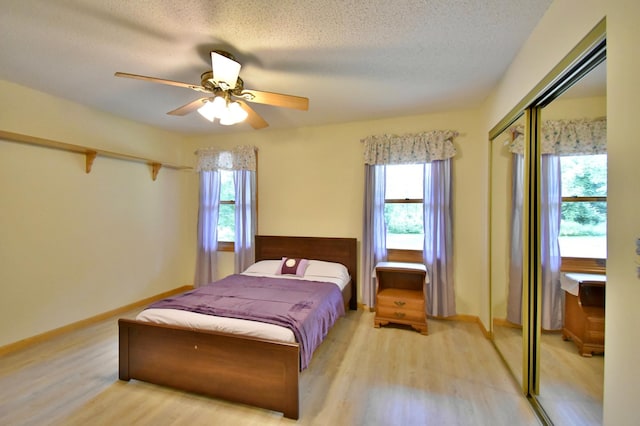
(400, 295)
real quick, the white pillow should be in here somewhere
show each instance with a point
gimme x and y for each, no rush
(315, 268)
(320, 268)
(264, 267)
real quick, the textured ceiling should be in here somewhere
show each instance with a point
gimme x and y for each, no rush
(354, 59)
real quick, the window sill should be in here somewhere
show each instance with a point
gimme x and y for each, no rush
(399, 255)
(584, 265)
(226, 246)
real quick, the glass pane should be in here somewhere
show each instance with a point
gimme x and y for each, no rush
(404, 181)
(583, 229)
(584, 175)
(227, 191)
(404, 226)
(226, 223)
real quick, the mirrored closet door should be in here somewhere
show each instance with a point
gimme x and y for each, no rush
(571, 345)
(548, 229)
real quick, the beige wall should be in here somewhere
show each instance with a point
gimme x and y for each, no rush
(565, 23)
(311, 182)
(74, 245)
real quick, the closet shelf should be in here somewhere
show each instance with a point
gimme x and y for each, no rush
(89, 153)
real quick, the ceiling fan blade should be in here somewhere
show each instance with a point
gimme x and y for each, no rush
(254, 119)
(275, 99)
(190, 107)
(162, 81)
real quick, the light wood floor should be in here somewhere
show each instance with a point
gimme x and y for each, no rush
(571, 386)
(359, 376)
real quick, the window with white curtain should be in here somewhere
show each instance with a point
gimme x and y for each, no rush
(407, 204)
(581, 146)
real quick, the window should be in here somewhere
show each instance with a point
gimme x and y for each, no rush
(403, 208)
(226, 215)
(583, 226)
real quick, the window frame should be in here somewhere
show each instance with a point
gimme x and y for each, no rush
(230, 246)
(404, 255)
(226, 245)
(593, 265)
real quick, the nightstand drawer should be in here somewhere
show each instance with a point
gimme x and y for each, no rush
(394, 313)
(399, 298)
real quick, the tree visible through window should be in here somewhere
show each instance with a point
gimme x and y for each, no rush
(583, 227)
(403, 209)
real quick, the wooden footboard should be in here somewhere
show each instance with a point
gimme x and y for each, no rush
(251, 371)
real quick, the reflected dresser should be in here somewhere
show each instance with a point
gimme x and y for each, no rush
(584, 311)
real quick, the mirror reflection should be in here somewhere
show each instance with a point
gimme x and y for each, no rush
(574, 190)
(506, 275)
(573, 250)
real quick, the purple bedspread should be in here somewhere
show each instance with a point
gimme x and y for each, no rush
(308, 308)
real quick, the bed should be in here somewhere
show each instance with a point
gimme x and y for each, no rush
(257, 371)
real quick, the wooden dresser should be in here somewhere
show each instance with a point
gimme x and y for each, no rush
(584, 311)
(400, 295)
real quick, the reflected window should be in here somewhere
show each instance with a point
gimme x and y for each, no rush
(583, 226)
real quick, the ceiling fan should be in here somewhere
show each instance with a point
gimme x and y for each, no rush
(226, 98)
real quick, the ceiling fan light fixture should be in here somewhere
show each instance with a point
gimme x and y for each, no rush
(225, 71)
(238, 113)
(212, 109)
(207, 110)
(234, 114)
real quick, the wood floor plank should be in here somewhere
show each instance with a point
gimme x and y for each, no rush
(359, 376)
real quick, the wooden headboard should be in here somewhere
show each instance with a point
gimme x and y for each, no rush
(339, 250)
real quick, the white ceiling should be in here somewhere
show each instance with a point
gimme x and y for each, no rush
(354, 59)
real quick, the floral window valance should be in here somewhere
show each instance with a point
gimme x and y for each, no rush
(238, 158)
(409, 148)
(566, 137)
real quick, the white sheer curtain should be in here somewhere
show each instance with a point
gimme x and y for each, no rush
(244, 181)
(550, 215)
(421, 148)
(209, 203)
(374, 235)
(438, 238)
(514, 294)
(242, 161)
(550, 211)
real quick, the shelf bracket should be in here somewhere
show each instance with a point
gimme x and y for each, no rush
(90, 156)
(155, 168)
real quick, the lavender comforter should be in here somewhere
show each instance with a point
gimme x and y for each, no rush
(308, 308)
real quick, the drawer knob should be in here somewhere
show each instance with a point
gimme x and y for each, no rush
(399, 303)
(399, 314)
